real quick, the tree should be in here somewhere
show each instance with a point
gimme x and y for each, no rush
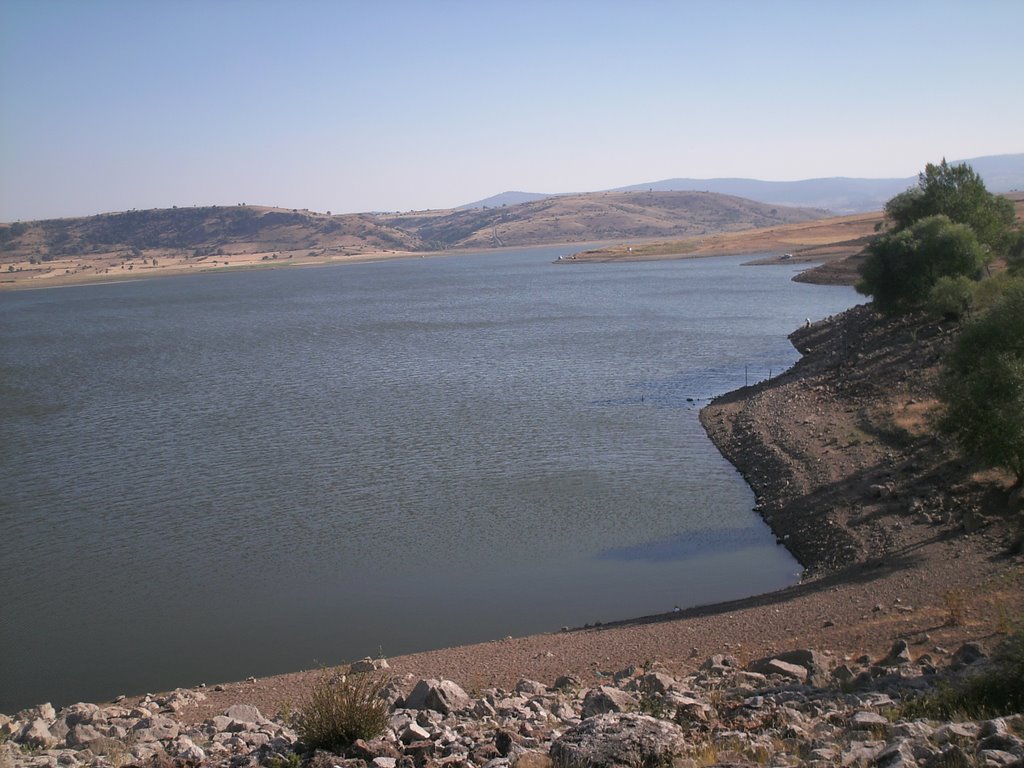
(902, 267)
(952, 297)
(1015, 253)
(982, 385)
(958, 192)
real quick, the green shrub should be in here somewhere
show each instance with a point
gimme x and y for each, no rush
(952, 296)
(340, 709)
(902, 267)
(982, 385)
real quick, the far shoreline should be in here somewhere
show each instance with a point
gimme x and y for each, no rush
(826, 241)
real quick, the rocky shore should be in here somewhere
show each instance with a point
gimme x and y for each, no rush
(909, 585)
(796, 708)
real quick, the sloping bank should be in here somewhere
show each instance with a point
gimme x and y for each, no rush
(839, 451)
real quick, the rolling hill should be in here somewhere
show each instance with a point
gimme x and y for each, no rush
(593, 216)
(217, 233)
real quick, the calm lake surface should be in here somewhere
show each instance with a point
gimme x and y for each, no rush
(211, 477)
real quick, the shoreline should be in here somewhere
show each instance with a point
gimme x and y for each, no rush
(805, 242)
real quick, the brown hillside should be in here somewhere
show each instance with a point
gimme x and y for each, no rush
(596, 216)
(180, 240)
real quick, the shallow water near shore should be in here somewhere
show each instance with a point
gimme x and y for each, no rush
(218, 476)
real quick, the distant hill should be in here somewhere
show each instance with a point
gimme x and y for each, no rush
(594, 216)
(1002, 173)
(198, 232)
(506, 198)
(839, 195)
(193, 235)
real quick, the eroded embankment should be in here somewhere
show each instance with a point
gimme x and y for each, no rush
(839, 450)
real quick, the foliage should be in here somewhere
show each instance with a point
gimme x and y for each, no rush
(289, 760)
(902, 267)
(996, 691)
(958, 192)
(952, 297)
(982, 385)
(340, 709)
(1015, 253)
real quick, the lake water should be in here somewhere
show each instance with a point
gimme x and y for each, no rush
(211, 477)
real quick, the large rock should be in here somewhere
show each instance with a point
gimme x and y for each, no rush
(657, 682)
(37, 734)
(83, 735)
(600, 701)
(618, 739)
(368, 664)
(245, 713)
(155, 728)
(899, 655)
(442, 696)
(967, 654)
(815, 664)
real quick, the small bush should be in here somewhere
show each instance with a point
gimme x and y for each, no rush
(340, 709)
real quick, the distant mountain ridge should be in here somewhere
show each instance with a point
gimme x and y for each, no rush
(197, 235)
(841, 195)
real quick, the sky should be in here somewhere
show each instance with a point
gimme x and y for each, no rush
(108, 105)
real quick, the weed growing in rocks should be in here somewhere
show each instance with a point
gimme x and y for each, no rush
(956, 607)
(340, 709)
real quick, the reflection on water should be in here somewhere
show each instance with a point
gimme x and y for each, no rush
(692, 544)
(212, 477)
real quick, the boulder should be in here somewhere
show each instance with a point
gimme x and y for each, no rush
(899, 655)
(720, 663)
(531, 687)
(245, 713)
(442, 696)
(83, 735)
(814, 663)
(600, 701)
(369, 664)
(155, 728)
(657, 682)
(785, 669)
(414, 732)
(619, 739)
(567, 683)
(968, 654)
(37, 734)
(185, 749)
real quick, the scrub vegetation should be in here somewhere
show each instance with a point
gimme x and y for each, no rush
(954, 249)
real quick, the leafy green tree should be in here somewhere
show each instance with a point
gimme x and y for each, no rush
(958, 192)
(982, 385)
(902, 267)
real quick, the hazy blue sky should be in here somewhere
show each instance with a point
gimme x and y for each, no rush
(378, 105)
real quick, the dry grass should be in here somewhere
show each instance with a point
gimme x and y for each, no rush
(836, 236)
(339, 709)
